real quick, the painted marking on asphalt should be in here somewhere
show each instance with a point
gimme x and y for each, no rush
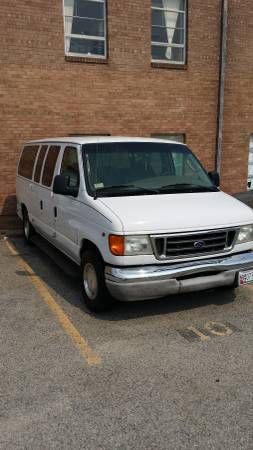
(219, 329)
(90, 356)
(208, 330)
(198, 333)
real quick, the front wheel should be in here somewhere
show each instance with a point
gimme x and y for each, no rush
(95, 294)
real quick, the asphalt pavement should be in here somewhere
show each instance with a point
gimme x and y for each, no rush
(169, 374)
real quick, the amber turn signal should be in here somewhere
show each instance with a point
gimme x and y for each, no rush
(116, 244)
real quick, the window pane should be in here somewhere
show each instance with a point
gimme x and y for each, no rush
(87, 46)
(178, 163)
(87, 8)
(158, 18)
(27, 161)
(40, 163)
(158, 3)
(167, 35)
(88, 27)
(170, 137)
(169, 4)
(146, 165)
(167, 53)
(159, 34)
(178, 36)
(167, 19)
(49, 167)
(70, 167)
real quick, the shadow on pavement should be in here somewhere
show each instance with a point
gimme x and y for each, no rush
(62, 275)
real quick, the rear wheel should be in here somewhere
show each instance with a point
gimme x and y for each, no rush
(28, 229)
(95, 294)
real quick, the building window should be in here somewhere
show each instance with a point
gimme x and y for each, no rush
(85, 28)
(170, 137)
(168, 31)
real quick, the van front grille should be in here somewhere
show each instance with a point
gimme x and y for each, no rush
(193, 244)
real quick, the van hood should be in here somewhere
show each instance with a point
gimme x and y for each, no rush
(177, 212)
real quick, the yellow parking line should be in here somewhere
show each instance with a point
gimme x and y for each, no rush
(84, 348)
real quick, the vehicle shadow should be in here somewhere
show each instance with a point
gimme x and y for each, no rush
(61, 275)
(8, 217)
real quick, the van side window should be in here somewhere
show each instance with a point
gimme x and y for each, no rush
(49, 166)
(40, 163)
(27, 160)
(69, 166)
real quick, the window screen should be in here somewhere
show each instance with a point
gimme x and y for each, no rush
(27, 160)
(39, 163)
(48, 172)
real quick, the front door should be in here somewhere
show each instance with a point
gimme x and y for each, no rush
(67, 207)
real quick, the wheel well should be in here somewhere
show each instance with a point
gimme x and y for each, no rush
(88, 245)
(23, 208)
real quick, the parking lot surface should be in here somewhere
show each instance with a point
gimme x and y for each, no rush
(169, 374)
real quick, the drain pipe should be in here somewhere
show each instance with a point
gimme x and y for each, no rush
(222, 71)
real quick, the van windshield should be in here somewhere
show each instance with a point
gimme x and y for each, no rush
(142, 168)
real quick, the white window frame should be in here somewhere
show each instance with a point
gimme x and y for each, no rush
(164, 44)
(86, 37)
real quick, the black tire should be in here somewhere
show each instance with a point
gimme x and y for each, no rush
(28, 230)
(95, 294)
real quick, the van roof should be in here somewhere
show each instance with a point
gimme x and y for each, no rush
(98, 139)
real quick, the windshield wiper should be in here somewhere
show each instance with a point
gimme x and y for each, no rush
(187, 187)
(121, 189)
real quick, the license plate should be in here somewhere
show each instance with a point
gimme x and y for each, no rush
(246, 277)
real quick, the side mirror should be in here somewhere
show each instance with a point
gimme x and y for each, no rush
(215, 178)
(61, 186)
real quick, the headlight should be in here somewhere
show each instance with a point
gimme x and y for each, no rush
(137, 245)
(130, 245)
(245, 234)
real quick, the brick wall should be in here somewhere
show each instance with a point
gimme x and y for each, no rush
(42, 94)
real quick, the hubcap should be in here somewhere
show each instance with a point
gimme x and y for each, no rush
(90, 281)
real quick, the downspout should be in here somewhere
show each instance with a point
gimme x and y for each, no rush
(222, 73)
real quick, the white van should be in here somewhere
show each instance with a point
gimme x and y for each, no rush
(140, 216)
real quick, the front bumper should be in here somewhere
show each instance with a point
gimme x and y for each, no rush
(149, 282)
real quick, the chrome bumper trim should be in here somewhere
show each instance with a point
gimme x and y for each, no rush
(140, 283)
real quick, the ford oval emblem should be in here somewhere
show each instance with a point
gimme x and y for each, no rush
(199, 244)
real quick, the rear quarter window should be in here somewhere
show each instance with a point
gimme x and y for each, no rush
(48, 172)
(27, 160)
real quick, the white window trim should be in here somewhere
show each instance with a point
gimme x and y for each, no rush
(81, 36)
(164, 44)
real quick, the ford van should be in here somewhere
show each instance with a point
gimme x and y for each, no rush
(141, 217)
